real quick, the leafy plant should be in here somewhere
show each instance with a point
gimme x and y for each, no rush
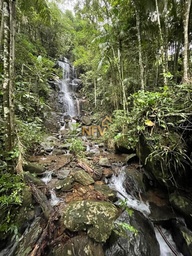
(11, 187)
(76, 146)
(11, 196)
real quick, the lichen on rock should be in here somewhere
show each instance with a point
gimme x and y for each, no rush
(94, 217)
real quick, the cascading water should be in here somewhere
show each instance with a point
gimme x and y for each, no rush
(66, 97)
(164, 238)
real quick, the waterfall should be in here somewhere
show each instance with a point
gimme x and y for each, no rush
(66, 94)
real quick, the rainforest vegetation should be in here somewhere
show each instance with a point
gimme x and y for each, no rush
(135, 62)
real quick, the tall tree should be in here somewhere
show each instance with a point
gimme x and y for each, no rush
(187, 8)
(8, 72)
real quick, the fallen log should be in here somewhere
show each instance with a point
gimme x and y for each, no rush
(85, 167)
(42, 200)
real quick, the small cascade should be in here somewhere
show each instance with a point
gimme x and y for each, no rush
(166, 243)
(47, 177)
(66, 94)
(116, 183)
(163, 236)
(54, 200)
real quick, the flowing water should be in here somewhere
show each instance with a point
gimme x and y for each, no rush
(54, 200)
(166, 248)
(116, 183)
(47, 177)
(66, 94)
(164, 238)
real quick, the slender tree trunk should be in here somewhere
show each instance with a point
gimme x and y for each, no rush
(138, 26)
(8, 70)
(161, 43)
(1, 26)
(187, 7)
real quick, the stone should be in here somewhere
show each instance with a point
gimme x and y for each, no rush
(78, 245)
(29, 238)
(33, 168)
(182, 204)
(83, 178)
(133, 235)
(182, 236)
(92, 216)
(104, 161)
(86, 120)
(62, 174)
(106, 191)
(133, 182)
(65, 184)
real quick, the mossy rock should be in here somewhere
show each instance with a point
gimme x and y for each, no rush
(83, 178)
(168, 172)
(94, 217)
(33, 168)
(78, 245)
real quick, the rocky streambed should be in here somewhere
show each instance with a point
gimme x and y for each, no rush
(99, 204)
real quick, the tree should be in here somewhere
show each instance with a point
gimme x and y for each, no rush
(187, 8)
(8, 18)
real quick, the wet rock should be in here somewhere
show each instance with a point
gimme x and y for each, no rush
(131, 157)
(29, 238)
(94, 217)
(65, 184)
(83, 178)
(161, 213)
(86, 120)
(182, 236)
(57, 151)
(133, 182)
(33, 168)
(104, 161)
(107, 172)
(182, 204)
(78, 246)
(106, 191)
(62, 174)
(158, 167)
(139, 240)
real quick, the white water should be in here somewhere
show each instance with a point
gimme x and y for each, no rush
(54, 200)
(164, 248)
(65, 90)
(47, 177)
(116, 183)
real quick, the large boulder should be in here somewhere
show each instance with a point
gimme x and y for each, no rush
(134, 236)
(183, 205)
(78, 245)
(163, 158)
(182, 236)
(133, 182)
(95, 217)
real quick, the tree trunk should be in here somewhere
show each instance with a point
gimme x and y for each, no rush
(187, 7)
(1, 26)
(138, 25)
(162, 48)
(8, 70)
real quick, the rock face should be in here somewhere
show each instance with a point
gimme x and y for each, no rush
(182, 204)
(79, 245)
(126, 241)
(95, 217)
(165, 166)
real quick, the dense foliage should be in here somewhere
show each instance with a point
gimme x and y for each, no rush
(132, 56)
